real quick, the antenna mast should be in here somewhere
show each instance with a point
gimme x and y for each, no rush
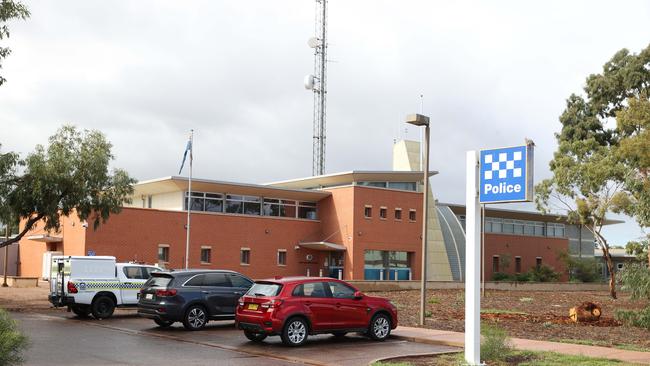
(318, 83)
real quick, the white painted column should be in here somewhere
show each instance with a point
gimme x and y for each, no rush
(472, 263)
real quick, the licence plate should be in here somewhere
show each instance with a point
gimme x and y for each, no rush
(253, 306)
(148, 296)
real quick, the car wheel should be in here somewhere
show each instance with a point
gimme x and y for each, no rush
(103, 307)
(339, 334)
(295, 332)
(255, 337)
(379, 328)
(163, 323)
(195, 318)
(81, 311)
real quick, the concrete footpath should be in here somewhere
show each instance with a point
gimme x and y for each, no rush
(457, 339)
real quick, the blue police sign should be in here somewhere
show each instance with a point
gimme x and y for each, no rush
(506, 174)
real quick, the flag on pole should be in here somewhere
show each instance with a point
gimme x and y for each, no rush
(187, 148)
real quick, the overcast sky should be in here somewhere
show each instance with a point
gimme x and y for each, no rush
(146, 72)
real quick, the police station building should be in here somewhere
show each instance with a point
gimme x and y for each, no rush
(356, 225)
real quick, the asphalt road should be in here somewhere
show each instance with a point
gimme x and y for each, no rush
(60, 338)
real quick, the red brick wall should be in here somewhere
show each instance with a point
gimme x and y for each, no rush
(528, 248)
(389, 234)
(135, 234)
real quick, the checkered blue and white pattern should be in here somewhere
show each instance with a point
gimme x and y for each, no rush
(503, 165)
(503, 175)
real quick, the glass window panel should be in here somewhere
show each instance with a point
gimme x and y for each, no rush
(374, 259)
(529, 229)
(373, 184)
(213, 195)
(307, 213)
(518, 228)
(271, 210)
(205, 255)
(508, 227)
(312, 289)
(195, 281)
(288, 202)
(234, 197)
(252, 199)
(251, 208)
(234, 206)
(341, 291)
(239, 281)
(407, 186)
(310, 204)
(398, 260)
(539, 230)
(287, 211)
(216, 280)
(271, 200)
(559, 231)
(213, 205)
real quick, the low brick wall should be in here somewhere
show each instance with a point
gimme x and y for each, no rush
(370, 286)
(13, 281)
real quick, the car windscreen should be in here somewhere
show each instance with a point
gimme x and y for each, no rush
(264, 289)
(158, 280)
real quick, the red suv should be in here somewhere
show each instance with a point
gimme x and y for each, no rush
(294, 307)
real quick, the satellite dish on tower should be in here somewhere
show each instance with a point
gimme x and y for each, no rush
(309, 82)
(313, 42)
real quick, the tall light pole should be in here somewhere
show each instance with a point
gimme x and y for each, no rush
(421, 120)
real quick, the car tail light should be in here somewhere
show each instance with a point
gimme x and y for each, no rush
(72, 288)
(165, 293)
(275, 303)
(241, 301)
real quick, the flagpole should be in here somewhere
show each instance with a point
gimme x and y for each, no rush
(189, 203)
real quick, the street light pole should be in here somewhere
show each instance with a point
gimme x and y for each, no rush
(421, 120)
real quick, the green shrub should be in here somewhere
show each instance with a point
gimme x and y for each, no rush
(581, 269)
(12, 342)
(636, 318)
(543, 274)
(636, 279)
(495, 345)
(522, 277)
(500, 276)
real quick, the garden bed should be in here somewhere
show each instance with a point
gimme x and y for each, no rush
(539, 315)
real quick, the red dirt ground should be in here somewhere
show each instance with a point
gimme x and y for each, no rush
(540, 315)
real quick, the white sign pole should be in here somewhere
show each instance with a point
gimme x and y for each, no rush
(472, 263)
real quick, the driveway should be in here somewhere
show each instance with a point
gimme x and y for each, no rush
(126, 339)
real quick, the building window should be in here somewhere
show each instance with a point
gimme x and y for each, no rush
(538, 262)
(282, 257)
(517, 264)
(387, 265)
(367, 212)
(555, 230)
(307, 210)
(495, 264)
(163, 253)
(247, 205)
(210, 202)
(398, 214)
(279, 207)
(149, 201)
(382, 213)
(206, 254)
(412, 216)
(245, 256)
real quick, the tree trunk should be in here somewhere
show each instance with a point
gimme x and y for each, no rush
(585, 312)
(610, 265)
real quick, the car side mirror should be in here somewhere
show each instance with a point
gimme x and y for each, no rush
(358, 295)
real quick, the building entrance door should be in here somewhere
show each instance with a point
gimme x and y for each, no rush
(335, 263)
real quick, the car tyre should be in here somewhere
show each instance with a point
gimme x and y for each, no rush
(82, 311)
(163, 323)
(379, 328)
(195, 318)
(103, 307)
(339, 334)
(255, 337)
(295, 332)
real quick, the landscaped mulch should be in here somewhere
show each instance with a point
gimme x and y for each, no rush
(542, 315)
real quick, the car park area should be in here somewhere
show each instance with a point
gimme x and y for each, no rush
(128, 339)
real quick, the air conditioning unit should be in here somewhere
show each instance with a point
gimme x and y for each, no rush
(309, 257)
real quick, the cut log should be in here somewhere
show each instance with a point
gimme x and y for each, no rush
(585, 312)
